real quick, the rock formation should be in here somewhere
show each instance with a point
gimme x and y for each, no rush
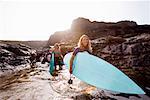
(11, 56)
(124, 44)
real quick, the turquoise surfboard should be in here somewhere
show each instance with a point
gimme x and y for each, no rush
(51, 65)
(99, 73)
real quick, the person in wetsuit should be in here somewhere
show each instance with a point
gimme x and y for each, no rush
(58, 57)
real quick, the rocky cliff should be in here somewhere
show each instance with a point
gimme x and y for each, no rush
(96, 30)
(124, 44)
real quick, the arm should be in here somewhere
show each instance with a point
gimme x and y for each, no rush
(71, 63)
(72, 59)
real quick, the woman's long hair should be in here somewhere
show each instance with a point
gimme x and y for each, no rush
(56, 46)
(80, 44)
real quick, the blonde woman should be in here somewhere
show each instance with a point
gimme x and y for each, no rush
(84, 44)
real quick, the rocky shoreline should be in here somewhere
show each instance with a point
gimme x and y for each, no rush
(37, 84)
(14, 57)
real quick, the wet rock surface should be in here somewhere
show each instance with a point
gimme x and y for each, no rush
(22, 86)
(37, 84)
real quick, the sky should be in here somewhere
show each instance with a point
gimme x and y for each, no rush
(38, 19)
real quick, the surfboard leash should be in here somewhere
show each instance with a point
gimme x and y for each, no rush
(70, 81)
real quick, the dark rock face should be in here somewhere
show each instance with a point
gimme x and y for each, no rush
(131, 56)
(19, 51)
(14, 55)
